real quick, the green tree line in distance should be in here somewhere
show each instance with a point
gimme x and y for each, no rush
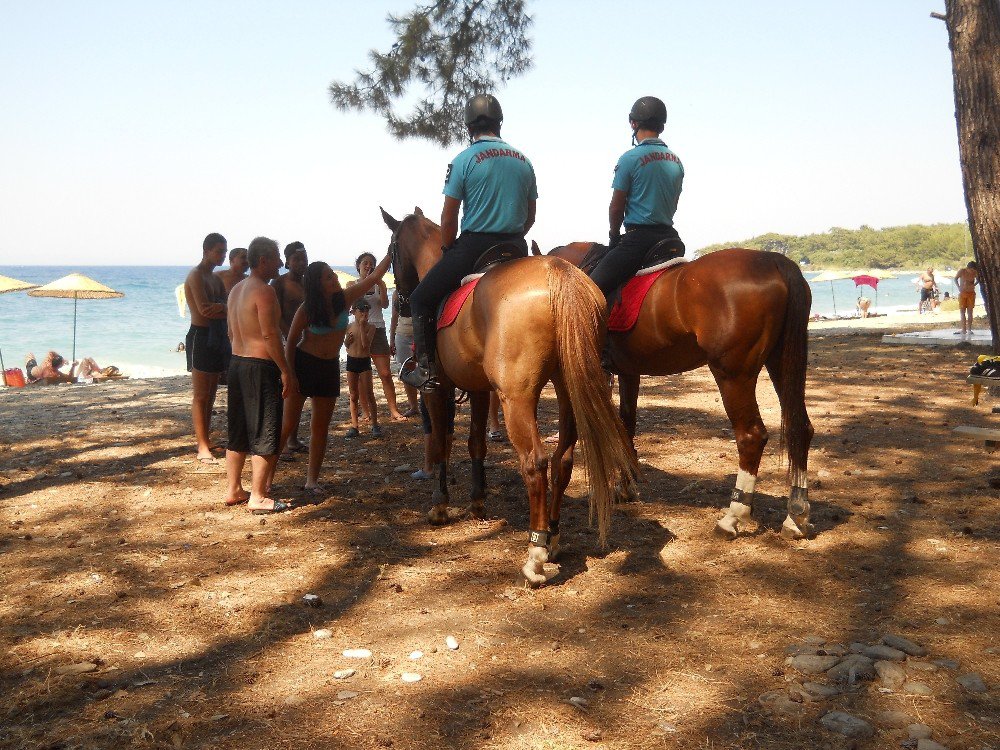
(909, 247)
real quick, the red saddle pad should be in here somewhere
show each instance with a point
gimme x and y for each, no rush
(625, 311)
(453, 305)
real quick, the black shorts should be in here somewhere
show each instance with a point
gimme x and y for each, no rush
(317, 376)
(925, 294)
(358, 364)
(449, 408)
(206, 353)
(255, 406)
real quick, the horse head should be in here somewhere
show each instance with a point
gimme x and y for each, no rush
(415, 248)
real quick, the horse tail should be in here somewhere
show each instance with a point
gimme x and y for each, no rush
(577, 307)
(787, 366)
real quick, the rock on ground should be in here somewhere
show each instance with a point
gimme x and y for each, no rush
(919, 731)
(903, 644)
(890, 674)
(972, 682)
(847, 725)
(808, 664)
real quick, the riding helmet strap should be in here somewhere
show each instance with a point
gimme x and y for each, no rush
(539, 538)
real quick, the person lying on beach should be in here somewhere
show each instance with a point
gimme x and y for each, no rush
(47, 371)
(91, 372)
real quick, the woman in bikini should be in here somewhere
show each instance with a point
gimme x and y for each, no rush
(313, 347)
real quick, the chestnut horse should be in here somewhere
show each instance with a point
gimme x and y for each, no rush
(737, 311)
(528, 321)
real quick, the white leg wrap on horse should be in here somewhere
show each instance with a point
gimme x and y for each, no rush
(745, 482)
(533, 569)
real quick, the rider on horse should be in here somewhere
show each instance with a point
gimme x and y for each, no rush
(645, 189)
(496, 183)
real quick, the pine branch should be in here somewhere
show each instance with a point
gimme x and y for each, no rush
(448, 51)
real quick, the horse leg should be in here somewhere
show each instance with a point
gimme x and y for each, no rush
(796, 524)
(480, 402)
(522, 427)
(435, 401)
(562, 462)
(628, 406)
(740, 400)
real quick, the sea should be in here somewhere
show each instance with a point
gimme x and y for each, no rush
(139, 332)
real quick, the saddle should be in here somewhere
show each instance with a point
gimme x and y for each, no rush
(659, 254)
(451, 305)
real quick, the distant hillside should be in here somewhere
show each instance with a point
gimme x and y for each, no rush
(912, 246)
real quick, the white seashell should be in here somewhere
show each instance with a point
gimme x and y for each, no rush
(411, 677)
(358, 653)
(451, 642)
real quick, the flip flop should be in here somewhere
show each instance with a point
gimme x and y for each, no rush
(278, 507)
(208, 460)
(230, 502)
(318, 491)
(352, 433)
(286, 457)
(411, 413)
(300, 448)
(495, 436)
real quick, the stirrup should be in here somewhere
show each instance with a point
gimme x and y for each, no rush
(422, 378)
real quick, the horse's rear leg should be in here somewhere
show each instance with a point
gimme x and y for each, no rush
(628, 407)
(740, 400)
(522, 426)
(480, 402)
(562, 463)
(798, 437)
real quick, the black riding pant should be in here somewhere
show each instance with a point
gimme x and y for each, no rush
(622, 261)
(454, 265)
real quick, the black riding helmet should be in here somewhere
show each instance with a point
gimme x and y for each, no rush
(649, 112)
(483, 109)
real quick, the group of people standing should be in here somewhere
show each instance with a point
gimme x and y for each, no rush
(278, 339)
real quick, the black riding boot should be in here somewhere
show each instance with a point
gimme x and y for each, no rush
(423, 375)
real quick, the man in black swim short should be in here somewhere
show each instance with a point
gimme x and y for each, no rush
(207, 342)
(259, 380)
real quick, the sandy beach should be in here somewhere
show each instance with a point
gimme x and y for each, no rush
(140, 611)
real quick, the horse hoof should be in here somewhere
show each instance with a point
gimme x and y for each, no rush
(534, 570)
(534, 579)
(476, 510)
(554, 548)
(727, 526)
(793, 531)
(626, 493)
(438, 515)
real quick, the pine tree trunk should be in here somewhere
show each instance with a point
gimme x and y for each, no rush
(974, 40)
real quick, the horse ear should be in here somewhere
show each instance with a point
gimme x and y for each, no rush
(535, 250)
(417, 211)
(389, 221)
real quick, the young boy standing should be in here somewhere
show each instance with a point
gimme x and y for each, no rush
(360, 334)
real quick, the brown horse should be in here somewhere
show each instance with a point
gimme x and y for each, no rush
(737, 311)
(527, 322)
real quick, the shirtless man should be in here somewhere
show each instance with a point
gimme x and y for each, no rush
(259, 380)
(966, 280)
(237, 270)
(928, 288)
(206, 344)
(289, 286)
(290, 296)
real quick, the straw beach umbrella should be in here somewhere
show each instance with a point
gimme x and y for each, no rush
(76, 286)
(7, 284)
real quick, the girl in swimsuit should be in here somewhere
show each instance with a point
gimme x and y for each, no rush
(313, 347)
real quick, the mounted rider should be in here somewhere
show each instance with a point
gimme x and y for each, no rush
(645, 190)
(496, 184)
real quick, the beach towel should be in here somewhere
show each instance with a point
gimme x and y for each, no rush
(625, 312)
(453, 305)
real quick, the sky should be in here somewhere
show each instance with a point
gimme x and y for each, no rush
(131, 130)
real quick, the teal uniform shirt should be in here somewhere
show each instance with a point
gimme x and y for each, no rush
(494, 183)
(651, 175)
